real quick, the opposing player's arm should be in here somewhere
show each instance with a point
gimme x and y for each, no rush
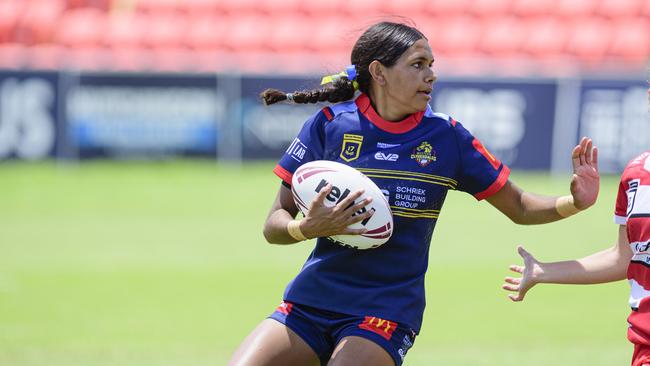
(321, 221)
(529, 208)
(604, 266)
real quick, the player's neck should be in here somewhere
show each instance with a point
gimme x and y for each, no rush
(380, 102)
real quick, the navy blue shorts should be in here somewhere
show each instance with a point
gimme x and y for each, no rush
(322, 330)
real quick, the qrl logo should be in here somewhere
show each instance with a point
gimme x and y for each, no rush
(26, 123)
(337, 196)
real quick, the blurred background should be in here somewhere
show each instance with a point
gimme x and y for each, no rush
(136, 158)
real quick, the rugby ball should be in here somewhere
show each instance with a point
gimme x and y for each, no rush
(310, 178)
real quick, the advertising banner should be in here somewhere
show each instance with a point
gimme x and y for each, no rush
(143, 115)
(29, 109)
(615, 114)
(514, 120)
(267, 131)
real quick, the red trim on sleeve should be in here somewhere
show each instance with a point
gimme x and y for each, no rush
(327, 113)
(453, 122)
(486, 154)
(496, 185)
(283, 174)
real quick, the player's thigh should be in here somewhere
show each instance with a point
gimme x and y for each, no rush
(273, 344)
(357, 351)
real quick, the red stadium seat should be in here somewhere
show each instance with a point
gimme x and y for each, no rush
(631, 39)
(124, 31)
(239, 7)
(247, 33)
(157, 6)
(130, 59)
(589, 39)
(199, 8)
(99, 4)
(448, 8)
(279, 7)
(82, 27)
(528, 8)
(171, 59)
(501, 36)
(208, 60)
(490, 8)
(44, 57)
(164, 30)
(411, 9)
(457, 35)
(316, 9)
(544, 37)
(206, 33)
(575, 8)
(364, 12)
(11, 11)
(331, 35)
(289, 33)
(40, 21)
(90, 58)
(12, 55)
(620, 8)
(645, 10)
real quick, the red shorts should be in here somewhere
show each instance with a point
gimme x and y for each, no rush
(641, 356)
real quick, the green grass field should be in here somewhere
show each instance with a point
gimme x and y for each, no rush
(164, 263)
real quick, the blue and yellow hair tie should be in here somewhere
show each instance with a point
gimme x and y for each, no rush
(350, 73)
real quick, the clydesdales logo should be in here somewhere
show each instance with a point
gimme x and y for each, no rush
(351, 147)
(424, 154)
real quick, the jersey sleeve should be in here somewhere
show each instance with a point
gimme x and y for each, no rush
(307, 146)
(620, 211)
(481, 173)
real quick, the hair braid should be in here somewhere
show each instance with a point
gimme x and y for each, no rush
(341, 90)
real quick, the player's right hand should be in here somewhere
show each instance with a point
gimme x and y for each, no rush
(324, 221)
(530, 272)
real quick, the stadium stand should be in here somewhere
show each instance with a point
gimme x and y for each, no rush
(264, 35)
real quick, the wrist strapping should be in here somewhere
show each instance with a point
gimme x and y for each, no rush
(293, 227)
(565, 207)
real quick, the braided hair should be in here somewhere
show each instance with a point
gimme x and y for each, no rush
(384, 42)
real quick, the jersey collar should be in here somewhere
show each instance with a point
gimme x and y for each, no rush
(403, 126)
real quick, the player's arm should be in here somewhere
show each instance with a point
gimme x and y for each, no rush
(322, 221)
(604, 266)
(529, 208)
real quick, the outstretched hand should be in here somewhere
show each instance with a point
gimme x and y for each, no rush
(586, 180)
(323, 220)
(529, 276)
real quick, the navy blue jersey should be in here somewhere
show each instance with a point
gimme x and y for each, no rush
(414, 162)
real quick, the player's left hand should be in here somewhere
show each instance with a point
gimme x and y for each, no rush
(530, 273)
(586, 180)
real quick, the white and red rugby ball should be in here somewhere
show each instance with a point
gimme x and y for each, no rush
(311, 177)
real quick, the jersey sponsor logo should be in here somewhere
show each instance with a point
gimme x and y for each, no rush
(284, 307)
(351, 147)
(336, 196)
(386, 157)
(424, 154)
(631, 195)
(383, 145)
(297, 150)
(384, 328)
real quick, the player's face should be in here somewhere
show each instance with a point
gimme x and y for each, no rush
(410, 81)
